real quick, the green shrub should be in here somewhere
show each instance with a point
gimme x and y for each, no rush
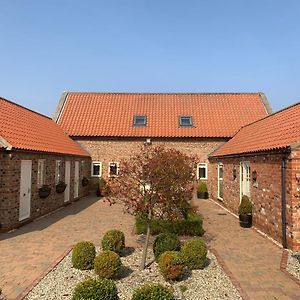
(194, 254)
(192, 226)
(245, 206)
(103, 187)
(113, 240)
(153, 291)
(107, 264)
(165, 242)
(96, 289)
(202, 187)
(83, 255)
(171, 265)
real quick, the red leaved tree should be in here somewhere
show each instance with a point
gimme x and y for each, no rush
(157, 182)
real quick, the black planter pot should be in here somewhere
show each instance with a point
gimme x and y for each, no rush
(60, 188)
(44, 192)
(202, 195)
(245, 220)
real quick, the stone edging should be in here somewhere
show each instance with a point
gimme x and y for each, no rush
(234, 281)
(42, 275)
(283, 265)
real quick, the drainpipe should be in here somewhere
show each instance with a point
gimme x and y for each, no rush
(283, 201)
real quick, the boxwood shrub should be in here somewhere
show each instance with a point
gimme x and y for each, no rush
(113, 240)
(83, 255)
(171, 265)
(194, 254)
(107, 264)
(165, 242)
(152, 291)
(192, 226)
(96, 289)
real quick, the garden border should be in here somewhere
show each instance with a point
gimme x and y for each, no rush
(283, 266)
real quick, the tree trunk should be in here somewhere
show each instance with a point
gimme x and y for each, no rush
(144, 255)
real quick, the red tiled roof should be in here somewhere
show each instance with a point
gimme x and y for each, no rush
(24, 129)
(277, 131)
(111, 114)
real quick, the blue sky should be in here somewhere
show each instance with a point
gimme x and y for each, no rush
(48, 47)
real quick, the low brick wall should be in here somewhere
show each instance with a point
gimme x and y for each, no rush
(10, 176)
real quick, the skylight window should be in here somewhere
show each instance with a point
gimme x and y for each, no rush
(185, 121)
(139, 120)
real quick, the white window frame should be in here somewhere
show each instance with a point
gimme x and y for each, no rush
(220, 165)
(99, 163)
(41, 173)
(113, 163)
(58, 172)
(202, 165)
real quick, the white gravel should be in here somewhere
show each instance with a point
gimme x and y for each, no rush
(293, 264)
(211, 283)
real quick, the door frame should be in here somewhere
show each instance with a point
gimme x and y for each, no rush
(27, 174)
(220, 165)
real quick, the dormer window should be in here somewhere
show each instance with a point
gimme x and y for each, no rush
(185, 121)
(139, 120)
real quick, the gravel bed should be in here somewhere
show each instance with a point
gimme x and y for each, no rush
(293, 264)
(211, 283)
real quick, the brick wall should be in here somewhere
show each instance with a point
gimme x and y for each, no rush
(114, 150)
(265, 193)
(10, 176)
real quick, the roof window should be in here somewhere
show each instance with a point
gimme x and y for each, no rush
(139, 120)
(185, 121)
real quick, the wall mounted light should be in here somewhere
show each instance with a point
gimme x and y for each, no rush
(254, 176)
(234, 173)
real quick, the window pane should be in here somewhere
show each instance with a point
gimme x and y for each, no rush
(139, 120)
(186, 121)
(96, 169)
(113, 169)
(202, 172)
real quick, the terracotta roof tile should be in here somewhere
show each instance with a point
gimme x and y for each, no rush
(111, 114)
(28, 130)
(276, 131)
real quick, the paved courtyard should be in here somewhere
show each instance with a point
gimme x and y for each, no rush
(30, 251)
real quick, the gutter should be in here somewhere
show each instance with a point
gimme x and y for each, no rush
(283, 201)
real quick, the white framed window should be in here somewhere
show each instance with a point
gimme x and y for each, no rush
(185, 121)
(220, 181)
(41, 172)
(202, 171)
(96, 170)
(139, 120)
(58, 174)
(113, 169)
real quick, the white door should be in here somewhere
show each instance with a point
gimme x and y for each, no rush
(245, 179)
(67, 181)
(25, 190)
(76, 179)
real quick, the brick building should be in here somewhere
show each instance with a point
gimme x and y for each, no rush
(112, 126)
(262, 161)
(35, 153)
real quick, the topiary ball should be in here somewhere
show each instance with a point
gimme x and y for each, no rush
(93, 289)
(194, 254)
(165, 242)
(152, 291)
(171, 265)
(107, 264)
(113, 240)
(83, 255)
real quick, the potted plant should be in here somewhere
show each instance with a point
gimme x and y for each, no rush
(103, 188)
(202, 190)
(44, 191)
(84, 181)
(60, 187)
(245, 212)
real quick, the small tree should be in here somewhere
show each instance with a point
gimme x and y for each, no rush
(157, 182)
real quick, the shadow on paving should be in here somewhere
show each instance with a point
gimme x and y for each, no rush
(43, 222)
